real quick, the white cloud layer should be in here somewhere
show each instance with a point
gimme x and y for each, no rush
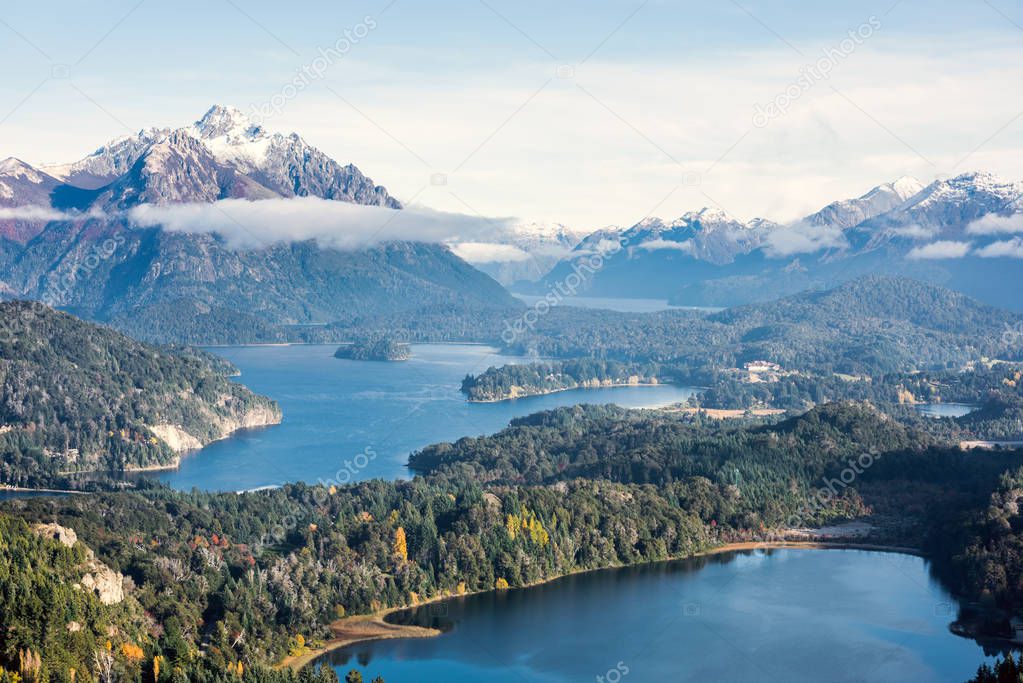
(660, 244)
(41, 214)
(943, 249)
(995, 224)
(488, 252)
(802, 238)
(1005, 249)
(341, 225)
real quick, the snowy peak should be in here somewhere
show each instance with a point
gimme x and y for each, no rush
(229, 122)
(904, 187)
(22, 184)
(110, 161)
(12, 167)
(975, 186)
(847, 213)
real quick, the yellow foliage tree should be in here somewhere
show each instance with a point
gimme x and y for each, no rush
(131, 652)
(501, 584)
(400, 544)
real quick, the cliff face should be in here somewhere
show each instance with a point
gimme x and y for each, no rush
(180, 440)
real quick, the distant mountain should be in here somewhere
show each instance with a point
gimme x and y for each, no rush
(846, 213)
(67, 240)
(963, 232)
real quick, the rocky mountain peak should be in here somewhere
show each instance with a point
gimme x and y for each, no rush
(230, 122)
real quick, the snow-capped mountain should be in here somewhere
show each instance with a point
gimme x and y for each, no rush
(846, 213)
(67, 237)
(21, 184)
(109, 162)
(948, 232)
(943, 209)
(708, 235)
(250, 161)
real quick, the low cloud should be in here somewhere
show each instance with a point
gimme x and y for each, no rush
(914, 231)
(1005, 249)
(42, 214)
(802, 238)
(488, 252)
(996, 224)
(659, 244)
(943, 249)
(252, 224)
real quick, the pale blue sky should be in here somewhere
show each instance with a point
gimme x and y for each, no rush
(655, 115)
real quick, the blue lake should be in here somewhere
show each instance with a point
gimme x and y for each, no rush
(371, 414)
(775, 615)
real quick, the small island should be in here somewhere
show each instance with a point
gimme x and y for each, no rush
(536, 379)
(376, 349)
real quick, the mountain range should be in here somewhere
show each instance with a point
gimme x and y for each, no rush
(67, 238)
(961, 232)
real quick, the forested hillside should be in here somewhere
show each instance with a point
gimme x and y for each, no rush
(251, 577)
(78, 397)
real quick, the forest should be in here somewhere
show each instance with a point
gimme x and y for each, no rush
(217, 579)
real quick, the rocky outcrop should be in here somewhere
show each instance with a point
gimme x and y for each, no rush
(97, 577)
(176, 437)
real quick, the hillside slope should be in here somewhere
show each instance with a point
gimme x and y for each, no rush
(77, 397)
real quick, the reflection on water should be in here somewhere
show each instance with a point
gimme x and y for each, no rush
(945, 409)
(774, 615)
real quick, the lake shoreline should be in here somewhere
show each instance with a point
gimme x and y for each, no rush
(370, 627)
(578, 387)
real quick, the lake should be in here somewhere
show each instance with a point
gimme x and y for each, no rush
(945, 409)
(370, 413)
(617, 304)
(767, 615)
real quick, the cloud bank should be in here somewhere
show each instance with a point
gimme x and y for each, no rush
(488, 252)
(802, 238)
(248, 224)
(1006, 249)
(996, 224)
(42, 214)
(661, 244)
(943, 249)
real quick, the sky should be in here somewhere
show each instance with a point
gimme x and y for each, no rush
(585, 113)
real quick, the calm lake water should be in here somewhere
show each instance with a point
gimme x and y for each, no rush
(945, 409)
(778, 615)
(334, 410)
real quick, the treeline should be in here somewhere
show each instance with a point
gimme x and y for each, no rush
(530, 379)
(374, 349)
(798, 391)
